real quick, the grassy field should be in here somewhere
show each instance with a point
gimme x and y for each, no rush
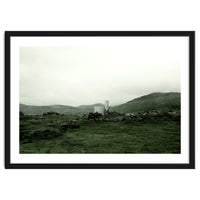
(99, 136)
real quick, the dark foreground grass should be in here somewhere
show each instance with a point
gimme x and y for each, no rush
(111, 137)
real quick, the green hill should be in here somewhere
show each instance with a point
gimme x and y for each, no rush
(155, 101)
(27, 109)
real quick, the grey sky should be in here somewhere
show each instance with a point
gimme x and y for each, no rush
(75, 76)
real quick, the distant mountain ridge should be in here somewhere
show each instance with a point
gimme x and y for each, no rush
(63, 109)
(155, 95)
(155, 101)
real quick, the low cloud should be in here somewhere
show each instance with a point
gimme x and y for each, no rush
(86, 75)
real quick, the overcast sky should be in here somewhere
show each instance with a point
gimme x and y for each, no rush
(72, 75)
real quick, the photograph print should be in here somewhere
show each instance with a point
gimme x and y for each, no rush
(100, 99)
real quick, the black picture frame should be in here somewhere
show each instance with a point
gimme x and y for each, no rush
(189, 34)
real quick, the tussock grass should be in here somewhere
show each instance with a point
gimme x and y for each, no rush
(101, 137)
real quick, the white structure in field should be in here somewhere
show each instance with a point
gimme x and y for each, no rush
(102, 109)
(99, 109)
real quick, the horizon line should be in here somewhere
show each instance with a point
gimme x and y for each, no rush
(96, 103)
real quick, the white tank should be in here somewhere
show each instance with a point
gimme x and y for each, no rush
(99, 109)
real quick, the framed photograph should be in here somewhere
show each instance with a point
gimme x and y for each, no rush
(99, 99)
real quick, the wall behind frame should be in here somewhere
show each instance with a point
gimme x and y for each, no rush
(99, 184)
